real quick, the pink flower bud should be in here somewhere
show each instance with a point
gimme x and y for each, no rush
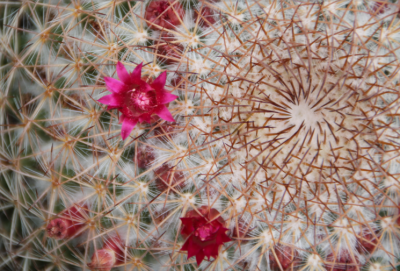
(240, 230)
(144, 156)
(166, 47)
(179, 82)
(368, 241)
(161, 14)
(344, 261)
(166, 129)
(285, 255)
(167, 177)
(380, 7)
(70, 222)
(110, 255)
(58, 228)
(103, 260)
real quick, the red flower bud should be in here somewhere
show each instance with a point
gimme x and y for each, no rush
(70, 222)
(380, 7)
(110, 255)
(206, 233)
(161, 13)
(285, 255)
(240, 230)
(144, 156)
(116, 244)
(160, 216)
(167, 177)
(207, 17)
(344, 262)
(179, 82)
(368, 241)
(166, 129)
(166, 47)
(103, 259)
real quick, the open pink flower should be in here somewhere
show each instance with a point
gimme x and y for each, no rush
(136, 99)
(206, 233)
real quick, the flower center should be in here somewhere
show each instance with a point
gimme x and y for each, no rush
(205, 232)
(141, 101)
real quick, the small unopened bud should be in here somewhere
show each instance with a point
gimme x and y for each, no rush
(110, 255)
(380, 7)
(144, 156)
(68, 224)
(58, 228)
(167, 49)
(161, 14)
(168, 177)
(240, 230)
(103, 260)
(285, 256)
(166, 129)
(344, 261)
(368, 241)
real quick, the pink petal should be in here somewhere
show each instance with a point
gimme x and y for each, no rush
(167, 97)
(159, 82)
(115, 86)
(185, 246)
(164, 113)
(127, 127)
(211, 251)
(136, 74)
(200, 257)
(121, 118)
(187, 223)
(123, 75)
(192, 247)
(145, 118)
(111, 99)
(222, 237)
(145, 86)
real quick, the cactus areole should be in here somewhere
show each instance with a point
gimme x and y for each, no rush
(206, 233)
(136, 99)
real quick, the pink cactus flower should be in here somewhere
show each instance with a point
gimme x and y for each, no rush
(136, 99)
(206, 233)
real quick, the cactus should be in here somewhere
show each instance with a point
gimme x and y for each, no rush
(199, 135)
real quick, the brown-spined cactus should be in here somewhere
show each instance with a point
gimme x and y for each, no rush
(282, 136)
